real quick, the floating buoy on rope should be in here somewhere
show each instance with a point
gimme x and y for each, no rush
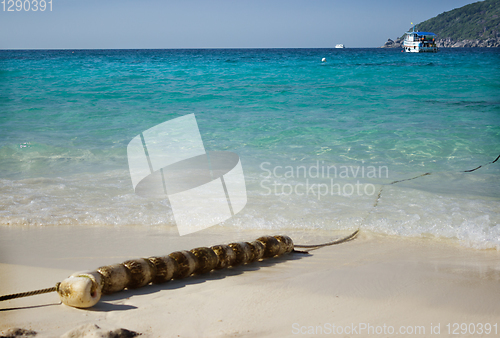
(84, 289)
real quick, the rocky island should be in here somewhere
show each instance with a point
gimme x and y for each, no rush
(473, 25)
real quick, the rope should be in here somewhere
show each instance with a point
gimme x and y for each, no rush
(353, 235)
(337, 241)
(30, 293)
(426, 174)
(409, 179)
(471, 170)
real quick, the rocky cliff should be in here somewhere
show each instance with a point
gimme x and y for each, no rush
(449, 43)
(473, 25)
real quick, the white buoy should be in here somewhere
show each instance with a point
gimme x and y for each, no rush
(81, 289)
(323, 59)
(84, 289)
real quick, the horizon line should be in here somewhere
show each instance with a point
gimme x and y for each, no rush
(182, 48)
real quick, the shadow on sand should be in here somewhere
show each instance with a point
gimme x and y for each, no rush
(104, 306)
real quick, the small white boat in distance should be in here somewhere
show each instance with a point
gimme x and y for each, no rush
(420, 42)
(339, 45)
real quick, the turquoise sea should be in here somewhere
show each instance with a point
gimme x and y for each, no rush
(317, 140)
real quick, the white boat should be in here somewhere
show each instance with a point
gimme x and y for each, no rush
(339, 45)
(420, 42)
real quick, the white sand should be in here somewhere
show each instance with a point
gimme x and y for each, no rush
(371, 281)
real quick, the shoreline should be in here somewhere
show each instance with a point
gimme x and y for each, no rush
(375, 279)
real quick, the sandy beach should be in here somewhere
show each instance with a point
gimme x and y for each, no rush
(373, 285)
(135, 129)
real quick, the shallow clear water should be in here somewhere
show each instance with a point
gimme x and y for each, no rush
(317, 140)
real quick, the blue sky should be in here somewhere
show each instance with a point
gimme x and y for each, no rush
(75, 24)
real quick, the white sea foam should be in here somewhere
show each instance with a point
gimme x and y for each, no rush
(440, 205)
